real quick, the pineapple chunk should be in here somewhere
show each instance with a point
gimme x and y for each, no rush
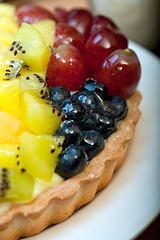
(40, 117)
(8, 24)
(29, 45)
(40, 154)
(47, 28)
(5, 40)
(10, 156)
(9, 97)
(3, 47)
(7, 10)
(16, 185)
(6, 37)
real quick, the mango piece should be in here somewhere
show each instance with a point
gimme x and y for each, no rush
(10, 128)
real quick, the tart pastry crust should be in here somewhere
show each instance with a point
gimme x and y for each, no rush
(60, 201)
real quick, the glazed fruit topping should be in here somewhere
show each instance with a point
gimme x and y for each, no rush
(95, 86)
(80, 19)
(66, 34)
(106, 123)
(47, 58)
(116, 105)
(60, 14)
(71, 161)
(30, 13)
(74, 109)
(103, 41)
(89, 98)
(89, 122)
(120, 71)
(67, 67)
(93, 143)
(93, 117)
(100, 21)
(71, 131)
(58, 93)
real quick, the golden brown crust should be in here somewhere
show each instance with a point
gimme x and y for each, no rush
(59, 202)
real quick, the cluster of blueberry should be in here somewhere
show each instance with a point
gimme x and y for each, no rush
(92, 117)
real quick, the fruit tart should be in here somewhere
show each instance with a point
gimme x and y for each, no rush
(68, 110)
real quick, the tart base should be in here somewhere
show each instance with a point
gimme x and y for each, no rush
(60, 201)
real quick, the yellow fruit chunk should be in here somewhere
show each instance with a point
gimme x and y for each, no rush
(5, 40)
(40, 154)
(47, 28)
(3, 47)
(10, 156)
(8, 24)
(10, 129)
(9, 66)
(29, 45)
(40, 117)
(16, 185)
(34, 83)
(6, 37)
(7, 10)
(9, 97)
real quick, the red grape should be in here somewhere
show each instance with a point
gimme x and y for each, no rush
(80, 19)
(101, 21)
(104, 22)
(99, 45)
(60, 14)
(66, 34)
(30, 13)
(120, 71)
(66, 68)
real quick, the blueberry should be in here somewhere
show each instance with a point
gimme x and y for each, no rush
(71, 131)
(90, 99)
(74, 109)
(106, 123)
(95, 86)
(58, 93)
(93, 143)
(89, 122)
(71, 161)
(117, 105)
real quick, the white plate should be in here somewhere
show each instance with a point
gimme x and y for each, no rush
(131, 201)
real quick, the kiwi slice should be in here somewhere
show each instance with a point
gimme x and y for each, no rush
(29, 45)
(12, 185)
(9, 66)
(39, 115)
(40, 154)
(34, 83)
(10, 156)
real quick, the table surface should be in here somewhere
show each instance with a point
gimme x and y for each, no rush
(152, 232)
